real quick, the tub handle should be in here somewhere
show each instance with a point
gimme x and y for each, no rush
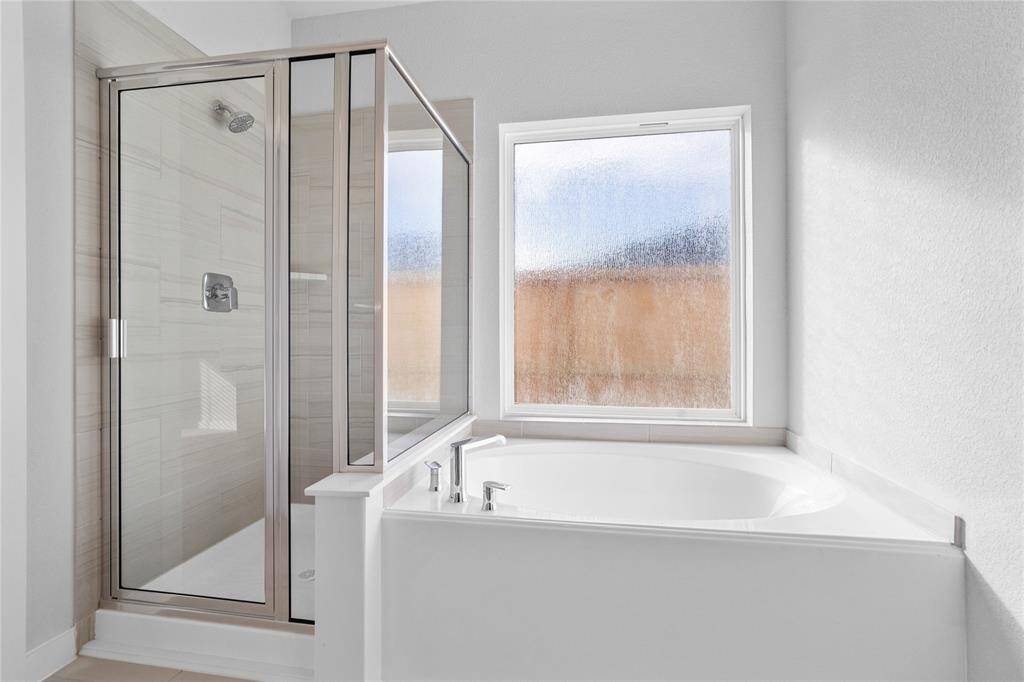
(435, 471)
(489, 488)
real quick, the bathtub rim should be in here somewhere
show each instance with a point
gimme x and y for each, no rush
(936, 546)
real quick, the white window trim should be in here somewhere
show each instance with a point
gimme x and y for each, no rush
(735, 119)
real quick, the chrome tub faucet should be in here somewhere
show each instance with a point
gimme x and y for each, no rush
(489, 488)
(457, 466)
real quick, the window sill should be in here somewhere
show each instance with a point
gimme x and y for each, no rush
(635, 430)
(709, 418)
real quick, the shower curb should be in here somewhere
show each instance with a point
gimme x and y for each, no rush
(190, 643)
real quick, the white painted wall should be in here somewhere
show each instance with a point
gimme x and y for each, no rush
(50, 316)
(36, 332)
(906, 187)
(13, 348)
(226, 26)
(531, 61)
(36, 329)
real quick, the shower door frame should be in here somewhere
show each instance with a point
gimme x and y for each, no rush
(275, 80)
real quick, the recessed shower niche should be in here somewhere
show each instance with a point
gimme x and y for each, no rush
(287, 296)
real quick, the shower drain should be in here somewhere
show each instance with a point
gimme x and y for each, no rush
(308, 575)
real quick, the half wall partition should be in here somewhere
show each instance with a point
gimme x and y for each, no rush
(286, 295)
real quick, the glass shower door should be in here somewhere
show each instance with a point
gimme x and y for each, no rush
(191, 245)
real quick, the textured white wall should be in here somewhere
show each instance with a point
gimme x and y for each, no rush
(528, 61)
(906, 178)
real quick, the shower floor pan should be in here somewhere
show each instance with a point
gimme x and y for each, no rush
(233, 568)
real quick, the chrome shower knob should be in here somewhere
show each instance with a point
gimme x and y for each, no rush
(435, 471)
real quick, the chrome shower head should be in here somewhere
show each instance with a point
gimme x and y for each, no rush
(238, 121)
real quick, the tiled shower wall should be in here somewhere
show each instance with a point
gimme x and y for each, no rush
(192, 447)
(192, 452)
(106, 34)
(360, 287)
(311, 430)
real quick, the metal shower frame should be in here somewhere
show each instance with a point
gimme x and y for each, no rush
(275, 68)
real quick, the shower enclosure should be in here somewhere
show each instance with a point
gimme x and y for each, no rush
(286, 291)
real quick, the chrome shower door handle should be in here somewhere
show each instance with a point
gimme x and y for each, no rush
(219, 293)
(489, 488)
(117, 338)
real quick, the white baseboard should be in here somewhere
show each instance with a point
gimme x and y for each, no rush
(50, 656)
(907, 503)
(203, 647)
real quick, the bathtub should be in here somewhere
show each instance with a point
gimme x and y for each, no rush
(725, 488)
(656, 561)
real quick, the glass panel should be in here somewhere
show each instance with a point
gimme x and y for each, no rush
(622, 286)
(360, 261)
(311, 316)
(428, 255)
(192, 385)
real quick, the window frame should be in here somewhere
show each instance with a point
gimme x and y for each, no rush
(736, 120)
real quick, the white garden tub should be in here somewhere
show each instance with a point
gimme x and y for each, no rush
(651, 561)
(739, 488)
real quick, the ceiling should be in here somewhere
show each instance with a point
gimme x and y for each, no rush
(301, 9)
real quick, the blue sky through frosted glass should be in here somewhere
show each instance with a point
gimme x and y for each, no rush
(623, 201)
(414, 210)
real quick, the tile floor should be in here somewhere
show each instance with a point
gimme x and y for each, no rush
(85, 669)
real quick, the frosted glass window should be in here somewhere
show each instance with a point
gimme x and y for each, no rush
(414, 283)
(622, 258)
(414, 211)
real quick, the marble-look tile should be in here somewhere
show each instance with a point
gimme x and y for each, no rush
(312, 253)
(192, 202)
(106, 34)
